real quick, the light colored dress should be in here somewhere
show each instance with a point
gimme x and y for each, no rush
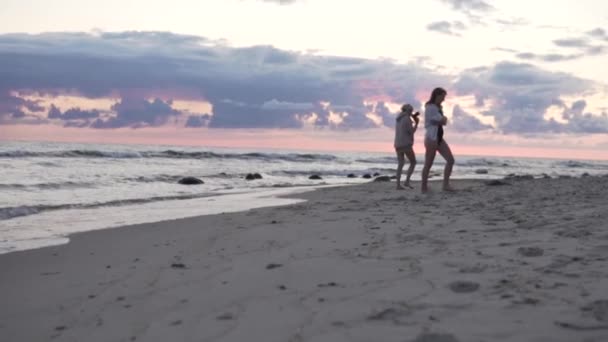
(404, 132)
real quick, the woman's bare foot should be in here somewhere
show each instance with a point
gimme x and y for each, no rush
(407, 185)
(448, 189)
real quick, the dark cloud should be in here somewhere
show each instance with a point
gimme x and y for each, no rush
(138, 113)
(466, 123)
(256, 87)
(446, 27)
(520, 95)
(149, 63)
(549, 57)
(196, 121)
(72, 114)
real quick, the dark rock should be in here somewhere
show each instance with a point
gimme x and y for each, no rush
(273, 266)
(481, 171)
(367, 176)
(546, 176)
(330, 284)
(190, 181)
(351, 175)
(376, 174)
(463, 286)
(178, 265)
(315, 177)
(586, 174)
(253, 176)
(60, 328)
(382, 179)
(530, 252)
(564, 177)
(496, 182)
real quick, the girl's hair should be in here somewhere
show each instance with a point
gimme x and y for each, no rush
(436, 93)
(406, 107)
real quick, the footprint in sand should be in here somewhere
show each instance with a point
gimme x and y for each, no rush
(530, 252)
(463, 286)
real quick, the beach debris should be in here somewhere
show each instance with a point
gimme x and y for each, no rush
(273, 266)
(190, 181)
(225, 317)
(463, 286)
(481, 171)
(382, 179)
(315, 177)
(282, 287)
(431, 337)
(351, 175)
(367, 176)
(530, 252)
(178, 265)
(253, 176)
(274, 222)
(120, 299)
(178, 322)
(496, 182)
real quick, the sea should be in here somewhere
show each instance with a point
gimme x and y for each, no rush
(51, 190)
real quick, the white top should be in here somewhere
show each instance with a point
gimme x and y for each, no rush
(431, 113)
(404, 131)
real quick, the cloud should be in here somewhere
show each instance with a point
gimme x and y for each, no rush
(72, 114)
(446, 27)
(138, 113)
(520, 94)
(195, 121)
(259, 86)
(549, 57)
(469, 6)
(598, 33)
(572, 42)
(282, 2)
(466, 123)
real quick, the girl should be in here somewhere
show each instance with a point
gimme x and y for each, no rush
(404, 143)
(434, 120)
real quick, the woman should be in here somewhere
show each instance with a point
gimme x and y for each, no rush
(434, 120)
(404, 143)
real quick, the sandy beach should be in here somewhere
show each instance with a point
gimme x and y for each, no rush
(521, 261)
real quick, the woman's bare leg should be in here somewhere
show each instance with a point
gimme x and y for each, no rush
(400, 164)
(429, 158)
(446, 153)
(411, 156)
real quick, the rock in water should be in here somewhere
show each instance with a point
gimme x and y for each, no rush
(367, 176)
(376, 174)
(190, 181)
(481, 171)
(382, 179)
(315, 177)
(253, 176)
(351, 175)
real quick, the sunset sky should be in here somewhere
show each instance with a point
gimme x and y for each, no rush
(524, 78)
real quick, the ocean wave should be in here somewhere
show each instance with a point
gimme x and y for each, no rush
(575, 164)
(7, 213)
(172, 154)
(45, 186)
(478, 162)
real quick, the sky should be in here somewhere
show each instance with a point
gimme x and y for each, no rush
(524, 78)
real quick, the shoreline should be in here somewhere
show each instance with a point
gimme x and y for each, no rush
(518, 262)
